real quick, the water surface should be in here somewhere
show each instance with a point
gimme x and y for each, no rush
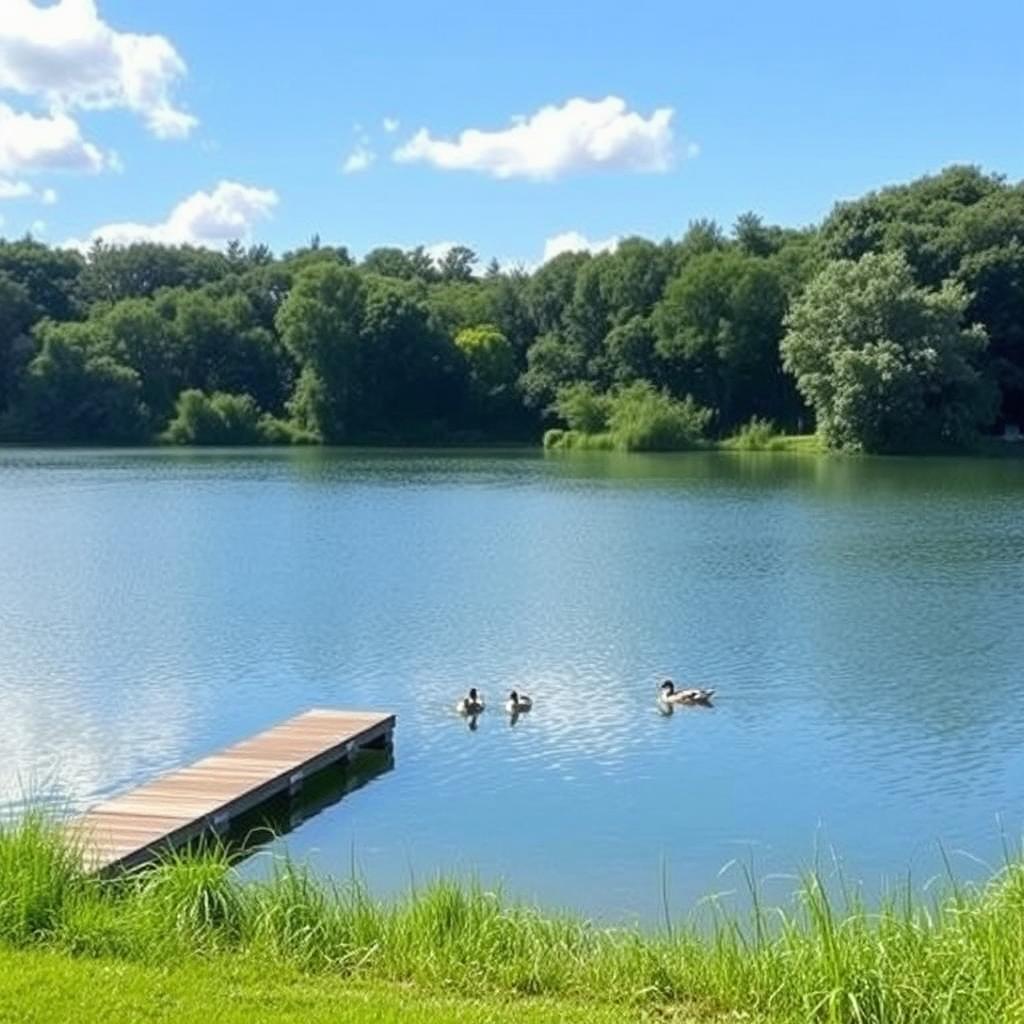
(860, 618)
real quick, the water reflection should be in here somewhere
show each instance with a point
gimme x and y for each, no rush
(286, 812)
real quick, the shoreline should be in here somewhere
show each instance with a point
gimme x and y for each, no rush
(945, 956)
(781, 444)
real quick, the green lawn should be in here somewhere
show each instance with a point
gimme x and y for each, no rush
(44, 987)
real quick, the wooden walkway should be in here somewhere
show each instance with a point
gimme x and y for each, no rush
(178, 807)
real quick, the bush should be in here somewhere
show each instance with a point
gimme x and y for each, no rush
(583, 408)
(632, 418)
(643, 419)
(223, 418)
(576, 439)
(756, 435)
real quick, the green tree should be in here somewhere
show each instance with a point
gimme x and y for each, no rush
(71, 391)
(551, 290)
(388, 261)
(16, 315)
(134, 334)
(50, 276)
(321, 324)
(115, 272)
(718, 329)
(491, 364)
(411, 376)
(457, 263)
(459, 304)
(633, 278)
(552, 362)
(630, 351)
(223, 346)
(885, 363)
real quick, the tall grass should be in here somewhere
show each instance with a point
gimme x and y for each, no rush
(756, 435)
(955, 957)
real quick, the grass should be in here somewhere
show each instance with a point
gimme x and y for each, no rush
(761, 440)
(954, 958)
(760, 435)
(44, 987)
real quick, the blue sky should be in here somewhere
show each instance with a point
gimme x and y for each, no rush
(778, 108)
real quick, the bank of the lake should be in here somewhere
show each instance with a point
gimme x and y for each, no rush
(461, 952)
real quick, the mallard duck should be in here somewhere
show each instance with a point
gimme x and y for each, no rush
(670, 695)
(471, 704)
(517, 703)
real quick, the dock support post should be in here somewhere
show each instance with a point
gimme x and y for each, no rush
(382, 742)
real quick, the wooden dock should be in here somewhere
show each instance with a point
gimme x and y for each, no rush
(177, 808)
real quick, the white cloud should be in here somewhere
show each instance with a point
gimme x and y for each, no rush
(38, 227)
(67, 55)
(47, 143)
(10, 189)
(14, 189)
(390, 125)
(580, 135)
(204, 218)
(359, 159)
(573, 241)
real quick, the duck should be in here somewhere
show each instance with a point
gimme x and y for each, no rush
(471, 704)
(670, 695)
(517, 703)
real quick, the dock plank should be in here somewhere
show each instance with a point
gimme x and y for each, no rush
(175, 808)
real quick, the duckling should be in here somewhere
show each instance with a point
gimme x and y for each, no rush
(670, 695)
(471, 704)
(517, 703)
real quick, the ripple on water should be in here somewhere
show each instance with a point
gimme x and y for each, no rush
(857, 617)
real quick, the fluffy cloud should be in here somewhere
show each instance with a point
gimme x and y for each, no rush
(67, 55)
(204, 218)
(580, 135)
(390, 124)
(23, 190)
(359, 159)
(47, 143)
(14, 189)
(573, 241)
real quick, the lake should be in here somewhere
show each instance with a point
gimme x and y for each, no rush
(861, 620)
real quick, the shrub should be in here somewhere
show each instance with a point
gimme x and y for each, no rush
(633, 417)
(223, 418)
(756, 435)
(643, 419)
(583, 409)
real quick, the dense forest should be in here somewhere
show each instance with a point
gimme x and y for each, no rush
(896, 324)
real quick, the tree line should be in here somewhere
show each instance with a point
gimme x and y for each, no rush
(895, 324)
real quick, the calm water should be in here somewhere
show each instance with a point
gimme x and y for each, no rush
(861, 619)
